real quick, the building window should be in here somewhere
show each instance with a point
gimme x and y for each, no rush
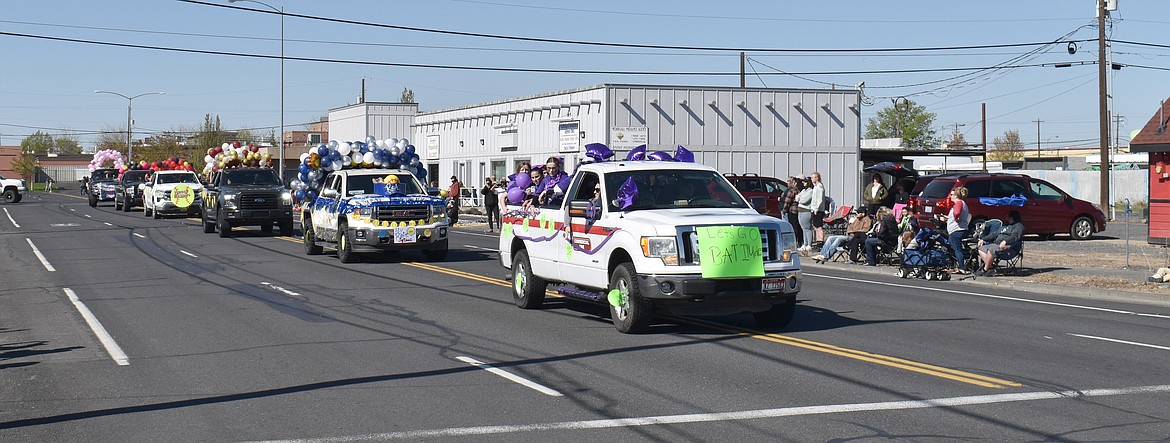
(314, 139)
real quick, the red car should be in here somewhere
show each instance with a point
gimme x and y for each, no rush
(1047, 211)
(768, 188)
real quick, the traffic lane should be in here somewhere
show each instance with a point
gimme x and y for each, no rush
(969, 330)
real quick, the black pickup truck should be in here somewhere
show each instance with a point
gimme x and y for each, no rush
(246, 197)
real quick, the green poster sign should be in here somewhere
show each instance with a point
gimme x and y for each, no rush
(730, 251)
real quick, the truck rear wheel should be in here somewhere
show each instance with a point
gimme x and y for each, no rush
(92, 200)
(127, 205)
(266, 228)
(778, 316)
(527, 288)
(634, 313)
(310, 238)
(208, 226)
(286, 227)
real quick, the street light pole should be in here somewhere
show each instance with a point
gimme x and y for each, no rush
(280, 150)
(129, 118)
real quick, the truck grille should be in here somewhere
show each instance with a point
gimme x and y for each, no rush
(259, 200)
(769, 239)
(401, 213)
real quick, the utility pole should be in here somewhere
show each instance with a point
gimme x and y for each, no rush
(983, 120)
(742, 74)
(1103, 105)
(1038, 122)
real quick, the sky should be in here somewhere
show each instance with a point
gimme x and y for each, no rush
(221, 58)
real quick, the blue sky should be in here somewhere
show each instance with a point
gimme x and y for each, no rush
(48, 84)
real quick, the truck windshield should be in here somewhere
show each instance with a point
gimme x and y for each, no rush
(670, 189)
(364, 184)
(177, 178)
(265, 177)
(104, 174)
(134, 176)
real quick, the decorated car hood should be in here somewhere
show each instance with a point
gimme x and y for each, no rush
(171, 186)
(370, 200)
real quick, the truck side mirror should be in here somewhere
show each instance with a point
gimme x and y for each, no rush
(760, 204)
(580, 208)
(329, 193)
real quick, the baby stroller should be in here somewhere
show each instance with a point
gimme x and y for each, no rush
(928, 256)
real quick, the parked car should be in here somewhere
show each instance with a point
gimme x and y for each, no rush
(128, 189)
(1048, 210)
(754, 188)
(12, 188)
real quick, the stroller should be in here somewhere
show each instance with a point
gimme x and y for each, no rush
(928, 256)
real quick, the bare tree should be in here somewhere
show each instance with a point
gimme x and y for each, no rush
(1007, 148)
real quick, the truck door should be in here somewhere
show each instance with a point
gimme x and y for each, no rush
(585, 233)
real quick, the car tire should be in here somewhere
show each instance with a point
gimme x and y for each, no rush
(266, 228)
(344, 249)
(92, 201)
(208, 226)
(154, 214)
(222, 225)
(117, 206)
(145, 210)
(16, 197)
(634, 313)
(286, 227)
(1082, 228)
(527, 288)
(778, 316)
(127, 205)
(437, 254)
(310, 240)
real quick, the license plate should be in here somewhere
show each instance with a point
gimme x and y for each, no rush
(404, 235)
(928, 209)
(772, 284)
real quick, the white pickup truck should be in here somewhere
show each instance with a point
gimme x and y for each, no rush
(649, 237)
(12, 188)
(172, 192)
(374, 210)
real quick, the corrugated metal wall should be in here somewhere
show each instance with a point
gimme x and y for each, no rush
(771, 132)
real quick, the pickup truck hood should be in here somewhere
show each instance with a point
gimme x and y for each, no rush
(170, 186)
(664, 220)
(363, 201)
(231, 188)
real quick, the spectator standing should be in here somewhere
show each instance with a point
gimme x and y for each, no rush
(901, 199)
(804, 213)
(957, 220)
(788, 206)
(820, 206)
(491, 204)
(875, 194)
(455, 193)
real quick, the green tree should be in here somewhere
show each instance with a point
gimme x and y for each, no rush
(26, 165)
(66, 144)
(1007, 148)
(38, 143)
(407, 96)
(208, 136)
(908, 120)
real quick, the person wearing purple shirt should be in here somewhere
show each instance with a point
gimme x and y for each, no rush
(547, 191)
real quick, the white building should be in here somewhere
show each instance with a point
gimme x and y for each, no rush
(768, 131)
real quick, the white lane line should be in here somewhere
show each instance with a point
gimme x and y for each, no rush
(510, 376)
(658, 420)
(1114, 340)
(188, 254)
(40, 256)
(88, 216)
(1000, 297)
(71, 209)
(108, 223)
(139, 235)
(10, 218)
(481, 248)
(278, 288)
(112, 347)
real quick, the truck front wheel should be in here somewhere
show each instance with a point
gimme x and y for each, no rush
(633, 314)
(527, 288)
(310, 237)
(778, 316)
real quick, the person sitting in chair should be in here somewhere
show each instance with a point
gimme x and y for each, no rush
(995, 243)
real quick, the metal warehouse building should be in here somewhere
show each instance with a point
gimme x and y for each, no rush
(771, 132)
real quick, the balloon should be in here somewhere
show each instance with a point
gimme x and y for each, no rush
(443, 193)
(368, 158)
(409, 149)
(636, 154)
(343, 148)
(395, 150)
(414, 161)
(659, 156)
(370, 140)
(236, 144)
(403, 142)
(422, 173)
(598, 152)
(301, 194)
(322, 151)
(683, 155)
(337, 165)
(356, 157)
(523, 181)
(515, 195)
(333, 145)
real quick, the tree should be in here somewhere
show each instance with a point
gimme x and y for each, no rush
(957, 138)
(26, 165)
(66, 144)
(908, 120)
(38, 143)
(112, 137)
(210, 135)
(407, 96)
(1007, 148)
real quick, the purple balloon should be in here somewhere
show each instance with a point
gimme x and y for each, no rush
(637, 154)
(523, 181)
(516, 195)
(659, 156)
(598, 152)
(683, 155)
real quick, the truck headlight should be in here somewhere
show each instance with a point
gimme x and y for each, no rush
(229, 200)
(665, 248)
(160, 193)
(788, 246)
(286, 198)
(365, 212)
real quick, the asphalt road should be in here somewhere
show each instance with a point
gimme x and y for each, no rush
(247, 338)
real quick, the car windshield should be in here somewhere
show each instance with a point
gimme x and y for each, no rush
(364, 184)
(104, 174)
(265, 177)
(670, 189)
(134, 176)
(178, 178)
